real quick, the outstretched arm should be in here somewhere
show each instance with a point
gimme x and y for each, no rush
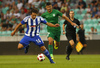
(13, 33)
(52, 25)
(66, 18)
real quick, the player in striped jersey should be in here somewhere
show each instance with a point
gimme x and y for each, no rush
(32, 34)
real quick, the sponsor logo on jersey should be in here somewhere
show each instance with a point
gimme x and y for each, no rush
(54, 15)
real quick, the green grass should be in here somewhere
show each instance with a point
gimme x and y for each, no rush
(30, 61)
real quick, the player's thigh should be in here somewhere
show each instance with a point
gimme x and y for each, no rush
(38, 41)
(25, 41)
(57, 37)
(50, 39)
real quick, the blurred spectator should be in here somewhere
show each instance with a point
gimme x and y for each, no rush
(8, 26)
(37, 3)
(14, 24)
(94, 12)
(22, 15)
(25, 10)
(63, 11)
(3, 20)
(64, 6)
(93, 31)
(9, 1)
(30, 1)
(7, 15)
(56, 7)
(88, 9)
(98, 2)
(41, 10)
(28, 12)
(21, 29)
(81, 4)
(54, 2)
(94, 3)
(98, 13)
(19, 5)
(59, 3)
(16, 14)
(43, 4)
(1, 15)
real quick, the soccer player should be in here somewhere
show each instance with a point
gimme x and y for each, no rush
(32, 34)
(52, 16)
(81, 37)
(70, 33)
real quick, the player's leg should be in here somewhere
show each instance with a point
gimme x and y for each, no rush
(69, 49)
(50, 46)
(20, 46)
(56, 44)
(24, 44)
(37, 40)
(57, 40)
(46, 52)
(84, 46)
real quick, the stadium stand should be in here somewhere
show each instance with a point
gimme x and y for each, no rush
(16, 10)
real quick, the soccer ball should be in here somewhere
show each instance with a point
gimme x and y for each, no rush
(41, 57)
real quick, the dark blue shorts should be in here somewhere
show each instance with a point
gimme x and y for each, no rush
(26, 40)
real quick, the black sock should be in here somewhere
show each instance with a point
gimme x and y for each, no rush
(82, 49)
(69, 50)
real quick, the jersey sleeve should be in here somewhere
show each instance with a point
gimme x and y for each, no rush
(65, 22)
(43, 20)
(59, 13)
(24, 21)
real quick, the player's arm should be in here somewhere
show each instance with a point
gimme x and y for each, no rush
(52, 25)
(66, 18)
(13, 33)
(77, 37)
(63, 28)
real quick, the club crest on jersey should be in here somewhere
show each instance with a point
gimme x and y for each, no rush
(54, 15)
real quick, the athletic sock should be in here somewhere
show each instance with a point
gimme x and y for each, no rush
(69, 50)
(82, 49)
(46, 52)
(50, 47)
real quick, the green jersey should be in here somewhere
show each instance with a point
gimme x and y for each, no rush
(52, 18)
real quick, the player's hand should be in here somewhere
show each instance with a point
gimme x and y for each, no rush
(64, 32)
(13, 33)
(57, 25)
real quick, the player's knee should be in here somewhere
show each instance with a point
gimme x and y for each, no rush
(19, 47)
(43, 48)
(50, 42)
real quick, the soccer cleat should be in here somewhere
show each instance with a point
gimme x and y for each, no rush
(26, 49)
(52, 62)
(55, 46)
(67, 58)
(52, 56)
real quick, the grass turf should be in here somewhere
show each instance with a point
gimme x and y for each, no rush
(30, 61)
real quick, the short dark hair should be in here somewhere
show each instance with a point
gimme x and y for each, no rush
(48, 3)
(34, 10)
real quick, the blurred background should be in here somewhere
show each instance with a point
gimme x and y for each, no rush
(12, 12)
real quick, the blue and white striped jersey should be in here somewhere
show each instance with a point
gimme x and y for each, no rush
(33, 25)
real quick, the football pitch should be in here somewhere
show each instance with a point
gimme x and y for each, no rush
(30, 61)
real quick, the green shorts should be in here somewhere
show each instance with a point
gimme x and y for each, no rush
(55, 35)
